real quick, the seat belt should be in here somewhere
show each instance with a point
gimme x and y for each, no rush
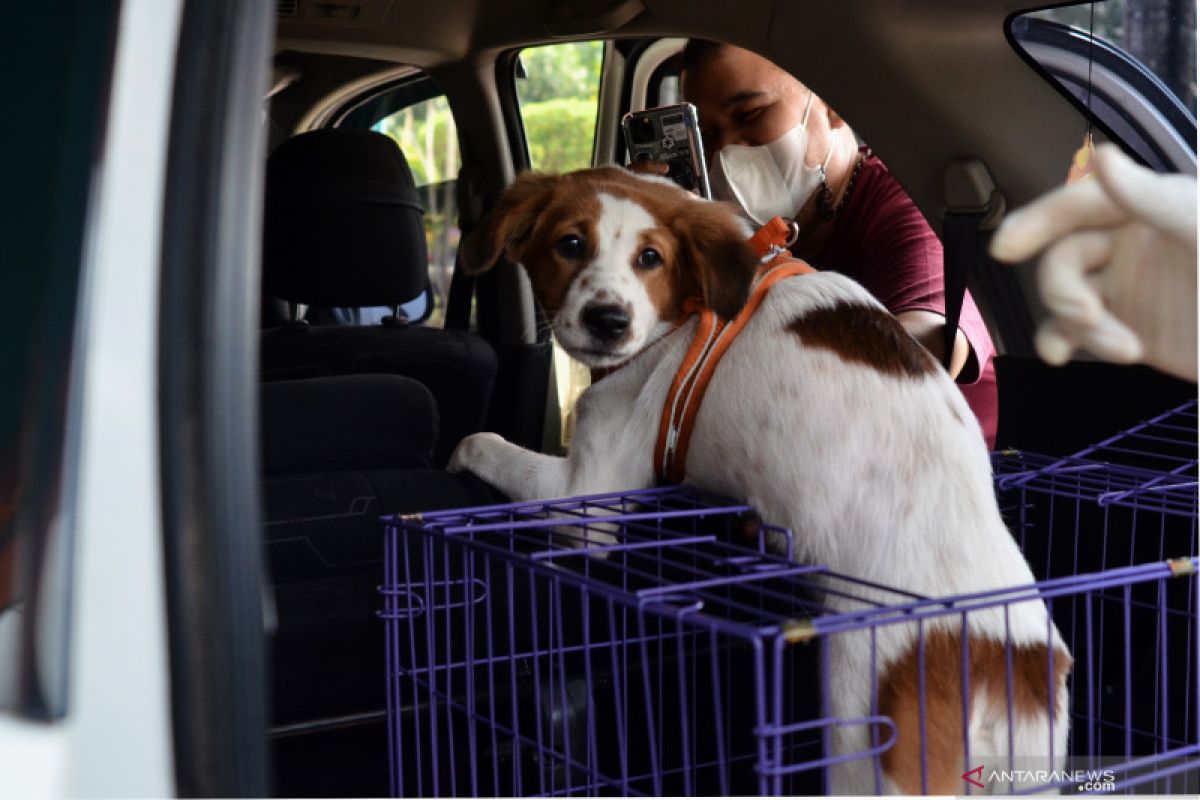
(462, 285)
(458, 299)
(974, 208)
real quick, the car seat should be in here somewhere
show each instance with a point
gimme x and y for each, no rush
(337, 454)
(344, 228)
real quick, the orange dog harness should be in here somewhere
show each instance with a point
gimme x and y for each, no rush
(713, 337)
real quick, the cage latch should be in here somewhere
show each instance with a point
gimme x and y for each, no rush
(1181, 566)
(798, 631)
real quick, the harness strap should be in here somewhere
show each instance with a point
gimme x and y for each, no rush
(713, 337)
(770, 238)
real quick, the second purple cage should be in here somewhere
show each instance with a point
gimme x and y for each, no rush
(684, 659)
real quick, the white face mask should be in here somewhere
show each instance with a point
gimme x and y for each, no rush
(769, 180)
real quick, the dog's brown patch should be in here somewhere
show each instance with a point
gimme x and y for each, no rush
(865, 335)
(899, 699)
(551, 274)
(704, 251)
(716, 262)
(664, 285)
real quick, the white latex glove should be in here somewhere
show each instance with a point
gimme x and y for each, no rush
(1118, 274)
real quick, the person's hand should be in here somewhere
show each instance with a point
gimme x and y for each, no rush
(1118, 274)
(648, 167)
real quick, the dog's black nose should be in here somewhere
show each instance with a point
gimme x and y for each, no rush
(607, 323)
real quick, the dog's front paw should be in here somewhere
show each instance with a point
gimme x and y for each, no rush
(472, 453)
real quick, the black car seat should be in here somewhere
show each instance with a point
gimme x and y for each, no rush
(344, 228)
(337, 454)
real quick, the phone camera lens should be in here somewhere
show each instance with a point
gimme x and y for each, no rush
(642, 130)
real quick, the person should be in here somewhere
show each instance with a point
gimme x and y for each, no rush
(775, 148)
(1118, 268)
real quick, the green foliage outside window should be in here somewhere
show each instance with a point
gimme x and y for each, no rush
(557, 71)
(560, 133)
(559, 96)
(427, 135)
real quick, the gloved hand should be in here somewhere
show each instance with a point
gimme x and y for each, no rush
(1118, 274)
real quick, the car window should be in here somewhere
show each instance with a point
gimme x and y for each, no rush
(558, 87)
(663, 88)
(1129, 64)
(417, 116)
(1160, 36)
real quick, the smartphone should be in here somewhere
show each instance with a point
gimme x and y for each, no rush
(670, 134)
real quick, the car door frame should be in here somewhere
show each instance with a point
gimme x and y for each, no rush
(166, 646)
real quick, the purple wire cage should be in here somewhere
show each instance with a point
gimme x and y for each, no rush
(673, 654)
(1127, 501)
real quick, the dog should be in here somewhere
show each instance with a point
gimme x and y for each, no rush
(826, 417)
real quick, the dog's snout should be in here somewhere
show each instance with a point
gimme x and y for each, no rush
(606, 322)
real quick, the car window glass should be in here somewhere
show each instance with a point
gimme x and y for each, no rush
(427, 134)
(1135, 72)
(558, 87)
(417, 116)
(663, 87)
(1160, 35)
(559, 95)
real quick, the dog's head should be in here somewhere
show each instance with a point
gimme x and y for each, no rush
(613, 256)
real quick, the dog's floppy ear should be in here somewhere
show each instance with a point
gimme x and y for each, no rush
(509, 224)
(719, 262)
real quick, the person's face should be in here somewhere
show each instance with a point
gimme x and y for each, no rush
(742, 98)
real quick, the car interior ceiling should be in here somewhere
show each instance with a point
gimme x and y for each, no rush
(358, 422)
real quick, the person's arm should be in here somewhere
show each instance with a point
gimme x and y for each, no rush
(905, 272)
(928, 327)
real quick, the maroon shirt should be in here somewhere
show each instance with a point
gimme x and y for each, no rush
(882, 241)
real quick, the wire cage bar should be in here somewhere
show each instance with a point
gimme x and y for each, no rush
(1151, 467)
(1125, 501)
(650, 643)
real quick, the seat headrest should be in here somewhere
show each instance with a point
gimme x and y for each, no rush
(343, 223)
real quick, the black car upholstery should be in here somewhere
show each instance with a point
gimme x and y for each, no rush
(344, 228)
(338, 453)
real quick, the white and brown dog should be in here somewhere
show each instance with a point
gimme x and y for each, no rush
(827, 418)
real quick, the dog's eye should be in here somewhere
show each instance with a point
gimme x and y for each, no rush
(569, 246)
(649, 259)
